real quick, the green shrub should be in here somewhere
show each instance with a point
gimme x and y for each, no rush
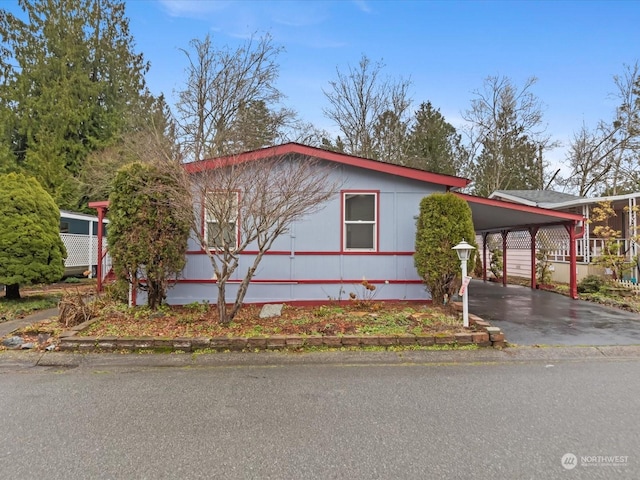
(591, 284)
(150, 218)
(444, 221)
(496, 265)
(31, 250)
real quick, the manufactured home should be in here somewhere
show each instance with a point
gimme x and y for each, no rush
(365, 231)
(79, 233)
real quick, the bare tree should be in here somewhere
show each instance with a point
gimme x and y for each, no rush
(220, 83)
(359, 100)
(506, 136)
(250, 204)
(587, 156)
(609, 154)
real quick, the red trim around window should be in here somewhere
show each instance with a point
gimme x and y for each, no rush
(343, 239)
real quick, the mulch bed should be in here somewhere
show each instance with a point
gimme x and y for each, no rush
(202, 321)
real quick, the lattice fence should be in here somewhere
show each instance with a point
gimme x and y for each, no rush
(82, 250)
(555, 241)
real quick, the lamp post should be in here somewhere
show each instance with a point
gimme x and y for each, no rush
(463, 249)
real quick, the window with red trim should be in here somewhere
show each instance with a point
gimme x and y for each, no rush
(360, 221)
(221, 220)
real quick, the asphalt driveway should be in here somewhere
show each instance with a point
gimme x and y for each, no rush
(531, 317)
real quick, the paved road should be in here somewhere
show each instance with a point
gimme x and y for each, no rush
(530, 317)
(366, 421)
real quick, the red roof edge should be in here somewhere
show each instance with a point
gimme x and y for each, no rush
(521, 208)
(336, 157)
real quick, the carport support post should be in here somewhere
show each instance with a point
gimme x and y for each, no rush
(573, 281)
(101, 207)
(484, 256)
(533, 232)
(504, 257)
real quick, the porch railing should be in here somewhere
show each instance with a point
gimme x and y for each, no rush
(588, 250)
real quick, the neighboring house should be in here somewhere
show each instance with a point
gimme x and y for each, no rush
(588, 247)
(79, 233)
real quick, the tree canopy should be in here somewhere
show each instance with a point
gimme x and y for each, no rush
(70, 79)
(369, 110)
(433, 144)
(507, 136)
(31, 250)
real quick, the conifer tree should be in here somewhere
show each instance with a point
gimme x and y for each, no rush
(31, 250)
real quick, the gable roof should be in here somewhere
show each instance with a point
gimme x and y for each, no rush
(335, 157)
(534, 197)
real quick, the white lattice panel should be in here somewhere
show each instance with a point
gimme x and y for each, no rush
(82, 250)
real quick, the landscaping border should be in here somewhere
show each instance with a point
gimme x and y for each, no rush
(486, 336)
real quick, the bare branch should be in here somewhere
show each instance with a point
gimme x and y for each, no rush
(268, 197)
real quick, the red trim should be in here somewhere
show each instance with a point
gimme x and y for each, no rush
(339, 281)
(504, 257)
(484, 256)
(340, 158)
(312, 253)
(343, 238)
(521, 208)
(533, 232)
(102, 208)
(573, 274)
(317, 303)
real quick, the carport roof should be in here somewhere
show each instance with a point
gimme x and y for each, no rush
(491, 215)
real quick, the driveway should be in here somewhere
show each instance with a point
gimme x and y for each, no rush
(530, 317)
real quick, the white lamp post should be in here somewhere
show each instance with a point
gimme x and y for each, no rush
(463, 249)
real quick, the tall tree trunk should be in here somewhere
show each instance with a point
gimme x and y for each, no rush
(12, 291)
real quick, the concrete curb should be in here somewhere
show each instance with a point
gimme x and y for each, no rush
(13, 359)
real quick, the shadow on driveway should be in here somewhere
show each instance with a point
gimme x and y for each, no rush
(530, 317)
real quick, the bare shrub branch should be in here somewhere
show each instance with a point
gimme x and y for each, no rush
(270, 195)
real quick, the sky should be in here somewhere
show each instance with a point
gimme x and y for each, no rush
(445, 48)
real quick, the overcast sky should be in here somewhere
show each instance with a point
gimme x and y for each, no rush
(446, 48)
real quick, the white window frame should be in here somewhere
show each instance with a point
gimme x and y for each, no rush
(209, 218)
(373, 222)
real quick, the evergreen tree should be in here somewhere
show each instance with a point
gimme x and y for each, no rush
(31, 250)
(444, 221)
(70, 78)
(150, 217)
(433, 144)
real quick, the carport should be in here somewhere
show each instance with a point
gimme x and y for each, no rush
(497, 216)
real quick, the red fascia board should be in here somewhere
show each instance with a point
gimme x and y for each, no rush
(521, 208)
(336, 157)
